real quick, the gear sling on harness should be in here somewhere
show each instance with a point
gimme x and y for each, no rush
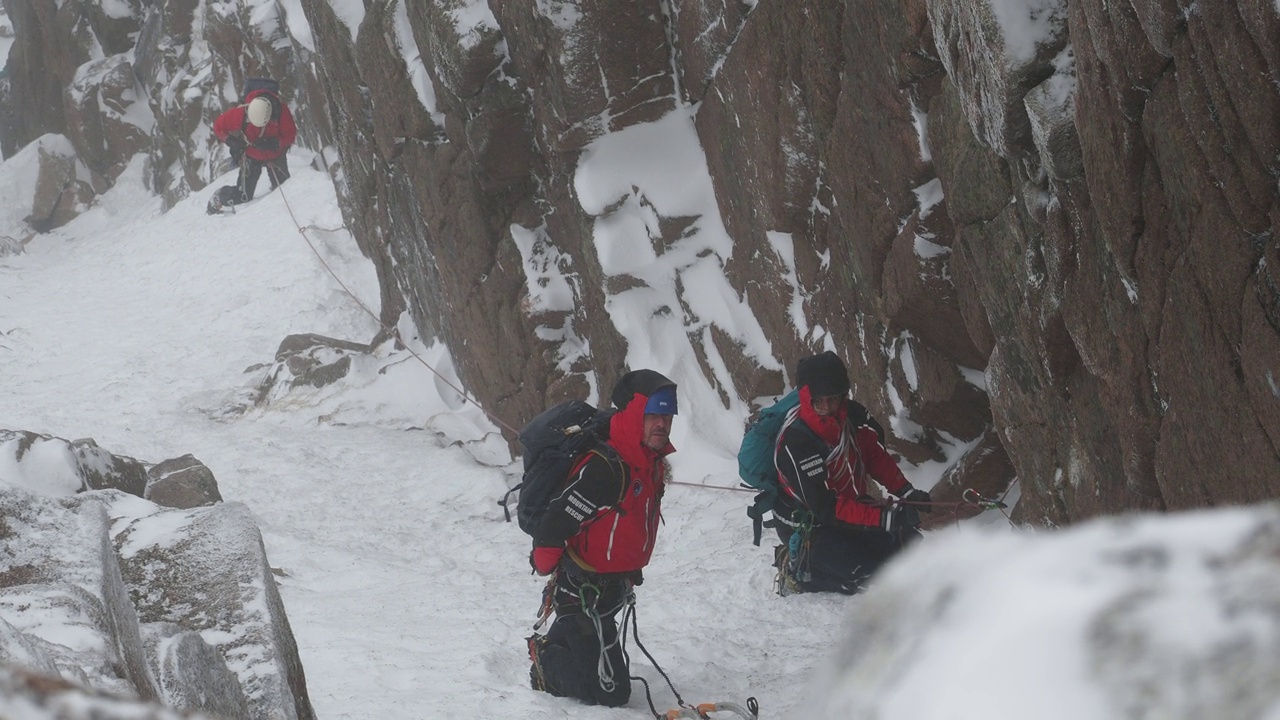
(579, 593)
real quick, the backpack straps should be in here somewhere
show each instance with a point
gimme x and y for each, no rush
(611, 457)
(765, 502)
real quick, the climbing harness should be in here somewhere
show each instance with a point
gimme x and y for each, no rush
(792, 559)
(548, 602)
(588, 595)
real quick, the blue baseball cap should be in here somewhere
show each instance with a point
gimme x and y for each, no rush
(662, 401)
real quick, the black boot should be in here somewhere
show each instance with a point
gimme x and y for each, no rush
(227, 196)
(538, 681)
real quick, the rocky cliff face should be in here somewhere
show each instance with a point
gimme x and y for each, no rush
(1048, 236)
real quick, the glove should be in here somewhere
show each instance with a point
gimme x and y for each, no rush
(899, 517)
(916, 495)
(267, 144)
(544, 560)
(236, 144)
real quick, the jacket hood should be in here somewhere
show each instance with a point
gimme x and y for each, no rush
(644, 382)
(626, 428)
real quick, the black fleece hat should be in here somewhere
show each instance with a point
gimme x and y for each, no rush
(825, 374)
(645, 382)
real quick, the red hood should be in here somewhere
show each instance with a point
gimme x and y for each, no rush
(828, 428)
(626, 432)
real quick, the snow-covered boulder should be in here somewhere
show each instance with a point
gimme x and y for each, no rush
(26, 695)
(193, 674)
(45, 185)
(1153, 616)
(54, 466)
(107, 120)
(114, 593)
(205, 570)
(182, 483)
(60, 584)
(309, 360)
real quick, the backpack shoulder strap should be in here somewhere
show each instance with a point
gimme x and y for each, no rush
(859, 416)
(603, 451)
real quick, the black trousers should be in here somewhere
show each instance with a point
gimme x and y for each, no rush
(583, 656)
(250, 172)
(843, 558)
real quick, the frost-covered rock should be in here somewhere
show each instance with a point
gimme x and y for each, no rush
(192, 674)
(53, 466)
(996, 52)
(20, 649)
(178, 605)
(111, 593)
(45, 185)
(205, 570)
(312, 360)
(26, 695)
(182, 483)
(1147, 616)
(108, 121)
(61, 584)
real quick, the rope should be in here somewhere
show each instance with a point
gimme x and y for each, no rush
(396, 334)
(604, 666)
(588, 595)
(393, 332)
(630, 616)
(970, 498)
(982, 502)
(713, 487)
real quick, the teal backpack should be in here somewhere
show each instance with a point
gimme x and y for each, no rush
(755, 460)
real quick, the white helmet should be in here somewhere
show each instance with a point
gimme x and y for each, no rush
(259, 111)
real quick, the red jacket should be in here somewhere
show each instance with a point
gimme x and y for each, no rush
(832, 483)
(607, 517)
(282, 129)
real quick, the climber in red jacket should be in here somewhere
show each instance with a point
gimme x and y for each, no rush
(835, 535)
(595, 539)
(258, 134)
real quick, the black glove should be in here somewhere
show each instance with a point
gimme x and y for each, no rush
(236, 144)
(916, 495)
(899, 517)
(267, 144)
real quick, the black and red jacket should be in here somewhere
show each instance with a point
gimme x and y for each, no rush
(281, 128)
(607, 517)
(829, 479)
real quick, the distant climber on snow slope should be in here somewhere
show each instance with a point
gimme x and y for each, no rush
(258, 132)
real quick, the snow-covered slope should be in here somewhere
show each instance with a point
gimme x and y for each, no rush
(410, 597)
